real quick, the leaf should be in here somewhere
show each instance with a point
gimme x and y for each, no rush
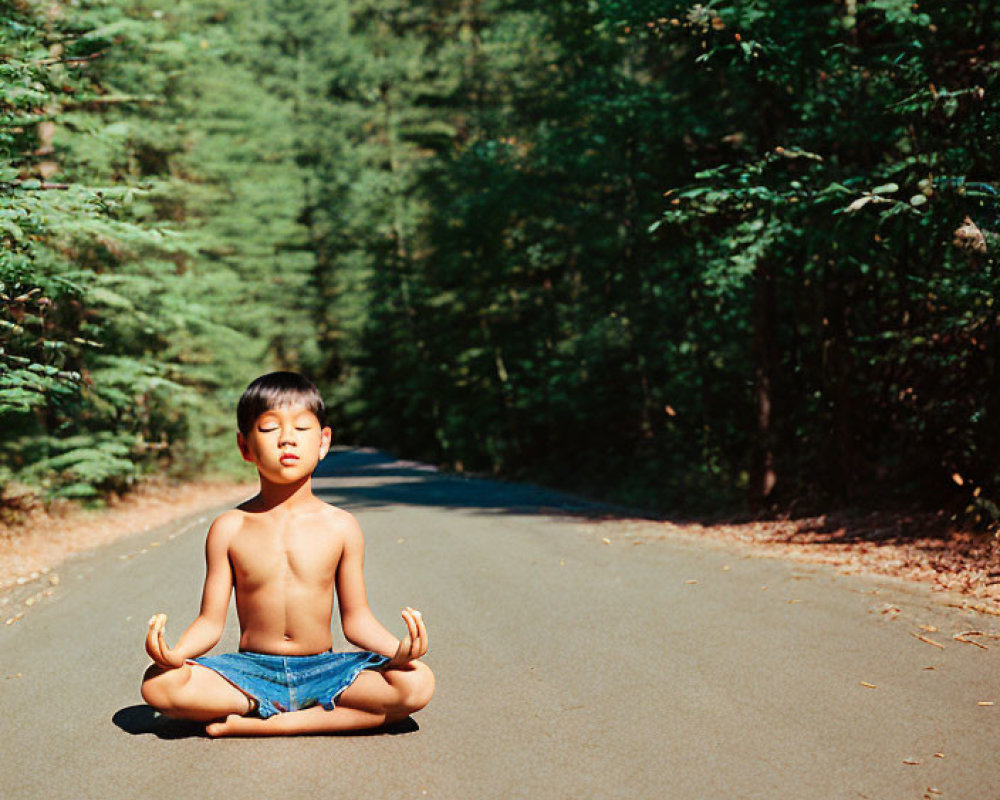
(926, 640)
(864, 200)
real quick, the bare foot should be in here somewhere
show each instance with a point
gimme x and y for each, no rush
(234, 725)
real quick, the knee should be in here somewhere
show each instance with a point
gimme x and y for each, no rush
(419, 689)
(160, 686)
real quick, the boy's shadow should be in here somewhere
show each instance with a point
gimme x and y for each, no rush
(142, 719)
(145, 719)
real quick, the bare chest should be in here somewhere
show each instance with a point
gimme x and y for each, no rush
(296, 554)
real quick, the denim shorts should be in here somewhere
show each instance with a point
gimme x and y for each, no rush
(290, 683)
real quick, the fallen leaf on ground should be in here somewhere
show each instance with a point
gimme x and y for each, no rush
(960, 637)
(606, 540)
(868, 685)
(925, 639)
(983, 609)
(929, 628)
(939, 755)
(911, 760)
(985, 703)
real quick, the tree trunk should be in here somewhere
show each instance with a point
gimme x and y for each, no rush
(763, 473)
(836, 357)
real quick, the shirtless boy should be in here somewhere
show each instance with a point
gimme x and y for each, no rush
(285, 551)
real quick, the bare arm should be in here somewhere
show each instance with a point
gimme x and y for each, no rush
(360, 626)
(206, 630)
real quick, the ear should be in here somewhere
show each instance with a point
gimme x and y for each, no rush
(326, 438)
(241, 442)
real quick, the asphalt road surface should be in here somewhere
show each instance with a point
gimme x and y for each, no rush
(567, 667)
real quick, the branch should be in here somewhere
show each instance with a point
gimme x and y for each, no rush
(111, 99)
(18, 184)
(69, 59)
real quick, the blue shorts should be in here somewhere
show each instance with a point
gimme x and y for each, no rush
(289, 683)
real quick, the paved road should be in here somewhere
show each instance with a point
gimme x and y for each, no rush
(566, 667)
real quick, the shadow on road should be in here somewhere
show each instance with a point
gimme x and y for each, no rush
(142, 719)
(365, 479)
(145, 719)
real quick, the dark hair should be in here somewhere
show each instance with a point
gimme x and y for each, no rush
(277, 390)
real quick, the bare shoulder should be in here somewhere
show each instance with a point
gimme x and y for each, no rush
(339, 519)
(341, 524)
(226, 526)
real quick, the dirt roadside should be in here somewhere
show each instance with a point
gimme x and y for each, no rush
(43, 540)
(922, 548)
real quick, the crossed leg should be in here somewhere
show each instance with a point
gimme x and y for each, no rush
(376, 697)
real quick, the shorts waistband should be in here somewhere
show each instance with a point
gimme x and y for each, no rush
(282, 657)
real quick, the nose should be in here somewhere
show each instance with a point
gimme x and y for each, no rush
(287, 437)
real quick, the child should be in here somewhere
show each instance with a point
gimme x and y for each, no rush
(285, 551)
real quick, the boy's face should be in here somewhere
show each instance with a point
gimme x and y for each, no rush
(285, 443)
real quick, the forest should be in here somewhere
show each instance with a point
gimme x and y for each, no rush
(701, 258)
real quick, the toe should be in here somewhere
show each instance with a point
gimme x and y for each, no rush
(216, 729)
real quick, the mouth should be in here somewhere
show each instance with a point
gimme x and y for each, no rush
(288, 458)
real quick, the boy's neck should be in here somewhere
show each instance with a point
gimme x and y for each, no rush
(289, 495)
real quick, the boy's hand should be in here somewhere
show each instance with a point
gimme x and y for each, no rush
(414, 644)
(156, 646)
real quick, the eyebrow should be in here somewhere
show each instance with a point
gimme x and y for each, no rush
(271, 416)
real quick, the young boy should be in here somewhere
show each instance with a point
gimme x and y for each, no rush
(285, 551)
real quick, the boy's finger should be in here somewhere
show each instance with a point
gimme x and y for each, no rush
(418, 640)
(411, 624)
(159, 645)
(422, 630)
(153, 647)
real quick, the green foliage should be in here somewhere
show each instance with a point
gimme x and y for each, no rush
(110, 327)
(679, 254)
(794, 305)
